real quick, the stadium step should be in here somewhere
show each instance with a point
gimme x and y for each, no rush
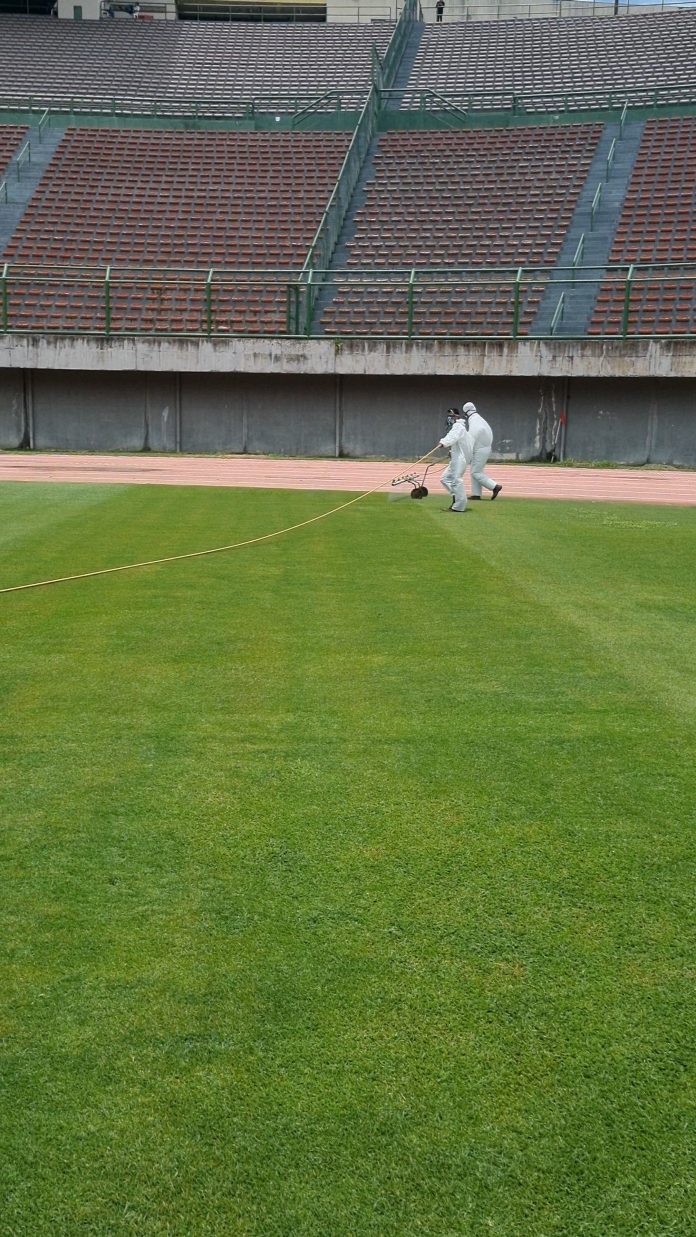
(581, 292)
(406, 65)
(22, 184)
(340, 255)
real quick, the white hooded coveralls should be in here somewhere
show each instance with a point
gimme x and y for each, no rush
(461, 448)
(482, 440)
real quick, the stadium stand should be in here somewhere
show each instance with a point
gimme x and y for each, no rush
(657, 225)
(144, 200)
(485, 199)
(10, 138)
(462, 207)
(588, 58)
(143, 210)
(176, 65)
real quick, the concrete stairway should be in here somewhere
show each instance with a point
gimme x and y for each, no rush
(406, 64)
(340, 254)
(580, 293)
(21, 188)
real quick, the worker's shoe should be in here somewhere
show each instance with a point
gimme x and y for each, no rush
(496, 491)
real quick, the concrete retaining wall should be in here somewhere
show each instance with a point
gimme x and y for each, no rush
(633, 421)
(394, 358)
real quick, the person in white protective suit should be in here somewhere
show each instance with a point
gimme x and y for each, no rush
(461, 448)
(482, 438)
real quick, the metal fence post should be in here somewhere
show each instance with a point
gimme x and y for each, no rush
(209, 302)
(595, 205)
(310, 306)
(293, 315)
(3, 277)
(627, 300)
(411, 281)
(107, 301)
(24, 156)
(299, 306)
(622, 120)
(516, 304)
(559, 313)
(578, 256)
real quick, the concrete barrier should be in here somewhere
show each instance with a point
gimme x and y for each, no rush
(633, 403)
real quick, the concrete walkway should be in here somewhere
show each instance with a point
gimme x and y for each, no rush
(518, 480)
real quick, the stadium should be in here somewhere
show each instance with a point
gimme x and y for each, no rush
(348, 846)
(505, 202)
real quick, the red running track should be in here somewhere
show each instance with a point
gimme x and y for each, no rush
(518, 480)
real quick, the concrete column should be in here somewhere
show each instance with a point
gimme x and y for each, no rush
(13, 430)
(338, 396)
(29, 435)
(161, 412)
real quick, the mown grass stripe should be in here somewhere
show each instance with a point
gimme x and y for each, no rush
(348, 885)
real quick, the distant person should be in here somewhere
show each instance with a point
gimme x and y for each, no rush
(439, 9)
(481, 436)
(461, 448)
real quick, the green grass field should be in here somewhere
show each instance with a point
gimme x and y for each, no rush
(347, 880)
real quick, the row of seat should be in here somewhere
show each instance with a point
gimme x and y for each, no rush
(143, 310)
(188, 62)
(207, 218)
(455, 178)
(657, 225)
(461, 202)
(185, 62)
(562, 55)
(11, 136)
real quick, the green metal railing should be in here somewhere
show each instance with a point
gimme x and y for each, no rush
(332, 101)
(516, 293)
(44, 121)
(4, 307)
(578, 256)
(175, 108)
(488, 10)
(530, 101)
(397, 43)
(558, 315)
(327, 233)
(627, 300)
(445, 107)
(324, 242)
(622, 119)
(129, 301)
(617, 98)
(23, 157)
(595, 205)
